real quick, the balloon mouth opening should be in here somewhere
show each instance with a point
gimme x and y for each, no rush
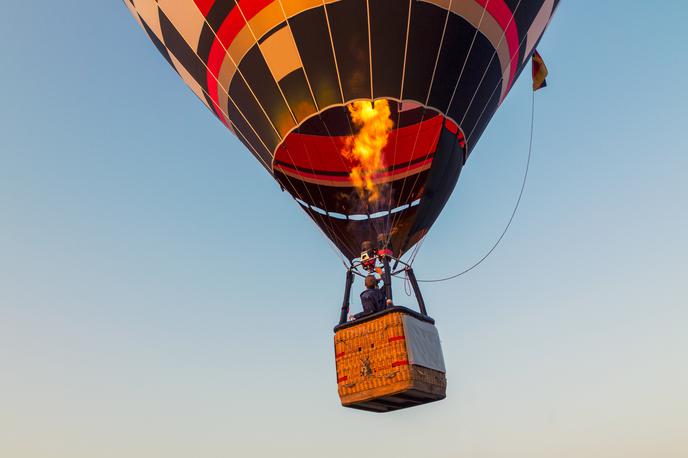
(345, 160)
(358, 216)
(317, 163)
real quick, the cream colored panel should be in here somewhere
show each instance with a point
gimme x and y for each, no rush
(444, 4)
(280, 53)
(148, 10)
(267, 19)
(227, 71)
(188, 79)
(241, 44)
(294, 7)
(237, 50)
(263, 22)
(186, 17)
(538, 27)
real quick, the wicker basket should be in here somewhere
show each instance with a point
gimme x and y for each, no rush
(377, 367)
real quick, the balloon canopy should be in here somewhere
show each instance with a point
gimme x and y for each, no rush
(365, 111)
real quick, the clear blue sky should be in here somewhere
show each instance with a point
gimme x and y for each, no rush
(159, 297)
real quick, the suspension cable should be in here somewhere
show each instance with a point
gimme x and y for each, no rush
(513, 213)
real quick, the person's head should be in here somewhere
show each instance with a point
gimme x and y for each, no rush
(371, 282)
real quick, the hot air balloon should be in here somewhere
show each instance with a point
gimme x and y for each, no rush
(365, 111)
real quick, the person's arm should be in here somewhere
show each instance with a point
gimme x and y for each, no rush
(384, 302)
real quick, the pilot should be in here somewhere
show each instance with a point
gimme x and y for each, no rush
(373, 299)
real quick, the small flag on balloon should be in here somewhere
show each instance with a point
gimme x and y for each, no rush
(539, 72)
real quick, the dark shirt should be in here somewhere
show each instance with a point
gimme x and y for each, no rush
(373, 300)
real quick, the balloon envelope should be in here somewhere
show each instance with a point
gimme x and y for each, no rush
(283, 75)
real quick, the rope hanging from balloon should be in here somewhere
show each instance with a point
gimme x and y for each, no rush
(513, 213)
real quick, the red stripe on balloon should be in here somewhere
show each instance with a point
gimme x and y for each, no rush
(224, 36)
(501, 12)
(390, 175)
(204, 6)
(324, 153)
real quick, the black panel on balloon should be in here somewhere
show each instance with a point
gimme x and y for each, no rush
(427, 23)
(442, 179)
(255, 70)
(457, 40)
(295, 89)
(313, 42)
(479, 79)
(388, 20)
(485, 103)
(349, 24)
(476, 123)
(260, 153)
(331, 122)
(182, 51)
(241, 95)
(158, 44)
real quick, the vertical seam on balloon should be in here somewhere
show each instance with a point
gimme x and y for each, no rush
(487, 67)
(226, 115)
(455, 87)
(215, 104)
(303, 67)
(336, 63)
(380, 224)
(310, 88)
(391, 186)
(394, 218)
(330, 228)
(238, 70)
(427, 98)
(497, 86)
(439, 52)
(370, 50)
(435, 140)
(403, 72)
(334, 51)
(485, 73)
(279, 88)
(298, 52)
(247, 123)
(468, 55)
(239, 133)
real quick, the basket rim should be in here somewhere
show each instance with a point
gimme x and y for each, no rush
(393, 309)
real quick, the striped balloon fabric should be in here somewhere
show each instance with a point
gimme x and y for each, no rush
(282, 75)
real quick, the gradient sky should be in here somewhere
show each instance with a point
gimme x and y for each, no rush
(160, 297)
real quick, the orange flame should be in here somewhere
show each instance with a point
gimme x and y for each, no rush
(372, 119)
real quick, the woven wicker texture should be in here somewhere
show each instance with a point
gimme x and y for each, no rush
(372, 362)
